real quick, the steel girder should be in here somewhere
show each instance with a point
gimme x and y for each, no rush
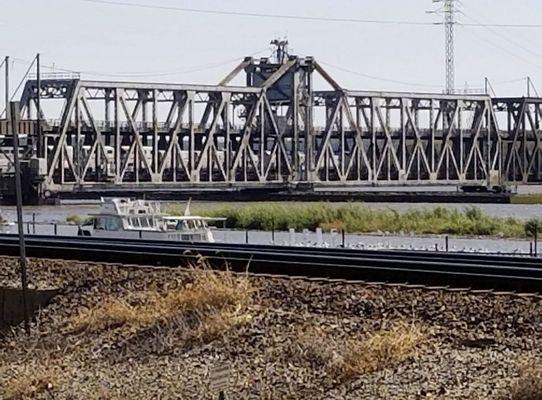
(208, 134)
(521, 138)
(382, 138)
(276, 130)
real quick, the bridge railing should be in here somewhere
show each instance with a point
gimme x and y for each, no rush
(59, 76)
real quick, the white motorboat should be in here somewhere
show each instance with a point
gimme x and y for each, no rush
(132, 219)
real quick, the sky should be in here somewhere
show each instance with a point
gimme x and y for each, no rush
(111, 42)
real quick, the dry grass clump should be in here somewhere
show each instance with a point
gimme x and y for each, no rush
(382, 349)
(528, 386)
(353, 357)
(213, 302)
(113, 313)
(31, 385)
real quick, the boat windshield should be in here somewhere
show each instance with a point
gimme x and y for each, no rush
(191, 224)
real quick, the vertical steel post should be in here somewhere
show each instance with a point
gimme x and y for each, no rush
(536, 242)
(14, 113)
(6, 61)
(447, 243)
(41, 145)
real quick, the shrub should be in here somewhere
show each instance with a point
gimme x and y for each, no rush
(74, 219)
(532, 227)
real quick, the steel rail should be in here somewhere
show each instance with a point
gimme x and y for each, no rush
(449, 257)
(476, 272)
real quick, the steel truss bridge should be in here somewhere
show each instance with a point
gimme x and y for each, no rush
(276, 130)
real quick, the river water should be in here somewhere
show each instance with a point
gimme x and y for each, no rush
(46, 216)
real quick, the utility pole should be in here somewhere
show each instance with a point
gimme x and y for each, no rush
(6, 61)
(40, 149)
(15, 115)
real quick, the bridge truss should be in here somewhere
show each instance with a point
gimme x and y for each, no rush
(275, 130)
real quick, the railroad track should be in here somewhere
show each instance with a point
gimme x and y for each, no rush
(471, 271)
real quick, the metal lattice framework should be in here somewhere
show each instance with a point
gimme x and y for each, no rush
(275, 130)
(522, 138)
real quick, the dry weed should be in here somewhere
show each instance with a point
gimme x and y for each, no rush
(528, 386)
(31, 385)
(382, 349)
(212, 303)
(355, 356)
(113, 313)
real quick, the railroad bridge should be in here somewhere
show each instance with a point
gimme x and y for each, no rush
(290, 123)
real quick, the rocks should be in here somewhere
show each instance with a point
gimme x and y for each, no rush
(475, 341)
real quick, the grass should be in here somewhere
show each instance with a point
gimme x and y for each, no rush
(528, 386)
(535, 198)
(213, 303)
(353, 357)
(356, 218)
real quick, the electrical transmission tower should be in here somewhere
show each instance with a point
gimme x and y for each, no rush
(449, 26)
(448, 10)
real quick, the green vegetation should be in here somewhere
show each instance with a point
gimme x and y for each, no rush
(361, 219)
(533, 227)
(526, 199)
(74, 219)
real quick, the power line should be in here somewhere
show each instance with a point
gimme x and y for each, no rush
(377, 78)
(502, 25)
(505, 37)
(257, 15)
(294, 17)
(141, 74)
(507, 51)
(19, 86)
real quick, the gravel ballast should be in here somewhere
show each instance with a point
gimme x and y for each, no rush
(476, 345)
